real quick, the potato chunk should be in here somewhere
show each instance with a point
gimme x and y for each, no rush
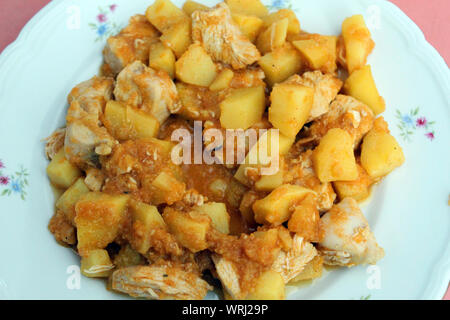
(222, 81)
(269, 286)
(97, 264)
(280, 64)
(248, 7)
(276, 207)
(190, 6)
(61, 172)
(294, 24)
(380, 153)
(162, 13)
(273, 37)
(358, 42)
(358, 189)
(217, 211)
(305, 220)
(270, 182)
(242, 108)
(167, 189)
(315, 53)
(361, 85)
(162, 58)
(290, 107)
(250, 25)
(334, 159)
(178, 36)
(66, 203)
(126, 122)
(196, 67)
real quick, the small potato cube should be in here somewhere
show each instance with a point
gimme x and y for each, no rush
(167, 189)
(188, 228)
(315, 53)
(162, 58)
(242, 108)
(190, 6)
(281, 63)
(128, 257)
(294, 24)
(66, 203)
(358, 189)
(290, 107)
(361, 86)
(358, 42)
(61, 172)
(269, 286)
(222, 81)
(196, 67)
(334, 159)
(270, 182)
(380, 153)
(162, 13)
(97, 264)
(273, 37)
(276, 207)
(178, 37)
(98, 219)
(220, 219)
(248, 7)
(250, 25)
(305, 220)
(311, 271)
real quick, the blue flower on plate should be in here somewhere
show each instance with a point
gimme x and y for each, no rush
(407, 120)
(15, 186)
(102, 29)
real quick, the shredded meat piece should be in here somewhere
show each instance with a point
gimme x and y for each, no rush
(54, 143)
(62, 229)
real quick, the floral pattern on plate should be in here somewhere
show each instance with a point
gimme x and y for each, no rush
(104, 25)
(13, 184)
(411, 122)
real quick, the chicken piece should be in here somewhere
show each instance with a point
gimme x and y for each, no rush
(54, 142)
(345, 113)
(62, 229)
(86, 139)
(292, 262)
(160, 282)
(131, 44)
(152, 91)
(94, 179)
(222, 38)
(228, 275)
(348, 240)
(325, 86)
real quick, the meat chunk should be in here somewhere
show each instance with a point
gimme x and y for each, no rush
(131, 44)
(160, 282)
(229, 277)
(348, 240)
(62, 229)
(147, 89)
(54, 143)
(223, 39)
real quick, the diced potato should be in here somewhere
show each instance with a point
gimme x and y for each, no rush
(276, 207)
(331, 66)
(361, 85)
(245, 208)
(126, 122)
(162, 58)
(311, 271)
(167, 189)
(269, 286)
(222, 81)
(178, 37)
(281, 63)
(190, 6)
(66, 203)
(162, 13)
(334, 159)
(305, 220)
(248, 7)
(250, 25)
(358, 189)
(380, 153)
(128, 257)
(358, 42)
(98, 219)
(315, 53)
(220, 219)
(270, 182)
(294, 24)
(188, 228)
(61, 172)
(242, 108)
(97, 264)
(290, 107)
(273, 37)
(196, 67)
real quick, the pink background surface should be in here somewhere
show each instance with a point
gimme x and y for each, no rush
(432, 16)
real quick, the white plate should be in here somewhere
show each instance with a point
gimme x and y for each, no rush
(408, 212)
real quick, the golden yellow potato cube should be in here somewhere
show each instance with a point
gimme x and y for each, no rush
(333, 159)
(61, 172)
(358, 189)
(66, 203)
(276, 207)
(270, 182)
(178, 36)
(167, 189)
(361, 86)
(196, 67)
(315, 53)
(305, 219)
(222, 81)
(217, 211)
(273, 37)
(280, 64)
(190, 6)
(294, 24)
(248, 7)
(97, 264)
(380, 153)
(162, 58)
(290, 107)
(358, 42)
(269, 286)
(242, 108)
(312, 270)
(250, 25)
(162, 13)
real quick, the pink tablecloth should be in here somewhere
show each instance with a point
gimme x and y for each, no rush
(430, 15)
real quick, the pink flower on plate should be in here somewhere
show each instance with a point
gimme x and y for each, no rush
(2, 165)
(113, 7)
(4, 180)
(102, 18)
(421, 122)
(430, 135)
